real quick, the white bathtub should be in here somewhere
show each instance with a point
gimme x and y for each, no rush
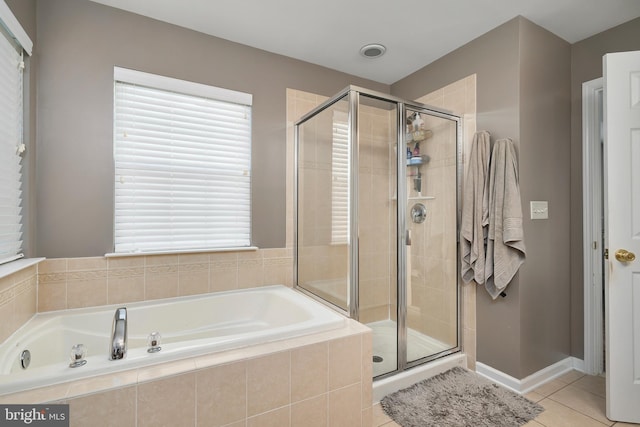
(190, 326)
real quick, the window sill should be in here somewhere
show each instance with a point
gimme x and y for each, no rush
(198, 251)
(17, 265)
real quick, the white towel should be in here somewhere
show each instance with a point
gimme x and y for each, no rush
(505, 241)
(475, 211)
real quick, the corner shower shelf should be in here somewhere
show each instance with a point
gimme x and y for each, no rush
(415, 161)
(418, 135)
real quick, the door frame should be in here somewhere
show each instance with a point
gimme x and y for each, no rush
(592, 204)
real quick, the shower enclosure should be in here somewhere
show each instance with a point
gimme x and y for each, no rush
(377, 197)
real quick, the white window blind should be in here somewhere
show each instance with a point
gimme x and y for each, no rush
(11, 148)
(340, 179)
(182, 165)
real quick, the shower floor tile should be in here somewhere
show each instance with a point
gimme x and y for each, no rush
(384, 345)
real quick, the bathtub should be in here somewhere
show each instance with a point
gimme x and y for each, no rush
(189, 326)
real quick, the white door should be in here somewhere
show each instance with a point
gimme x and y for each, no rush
(622, 229)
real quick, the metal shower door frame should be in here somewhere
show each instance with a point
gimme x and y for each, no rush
(352, 93)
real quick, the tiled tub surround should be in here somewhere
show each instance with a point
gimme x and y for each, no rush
(190, 326)
(65, 283)
(18, 300)
(316, 380)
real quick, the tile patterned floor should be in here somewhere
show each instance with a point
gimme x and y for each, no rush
(572, 400)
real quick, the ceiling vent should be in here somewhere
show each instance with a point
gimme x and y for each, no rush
(372, 50)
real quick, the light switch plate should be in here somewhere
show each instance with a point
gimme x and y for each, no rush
(539, 209)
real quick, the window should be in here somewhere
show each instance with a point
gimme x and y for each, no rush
(182, 165)
(12, 40)
(340, 178)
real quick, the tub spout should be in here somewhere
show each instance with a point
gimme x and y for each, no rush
(119, 335)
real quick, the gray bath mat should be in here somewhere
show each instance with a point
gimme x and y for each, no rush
(458, 398)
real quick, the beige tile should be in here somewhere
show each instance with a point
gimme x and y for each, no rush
(201, 258)
(345, 407)
(5, 284)
(550, 387)
(193, 282)
(570, 377)
(582, 401)
(25, 274)
(345, 359)
(625, 425)
(534, 397)
(85, 264)
(533, 423)
(164, 370)
(367, 417)
(268, 382)
(276, 418)
(125, 262)
(55, 265)
(367, 369)
(277, 253)
(7, 324)
(52, 296)
(160, 260)
(223, 280)
(309, 371)
(125, 289)
(157, 286)
(110, 408)
(594, 384)
(101, 383)
(557, 415)
(86, 293)
(379, 416)
(168, 402)
(250, 273)
(25, 304)
(38, 395)
(221, 394)
(278, 271)
(310, 412)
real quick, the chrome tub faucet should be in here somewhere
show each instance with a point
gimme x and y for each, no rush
(119, 335)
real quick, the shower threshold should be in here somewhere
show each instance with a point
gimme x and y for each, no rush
(419, 345)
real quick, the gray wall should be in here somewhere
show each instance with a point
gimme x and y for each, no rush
(79, 42)
(523, 93)
(586, 65)
(545, 303)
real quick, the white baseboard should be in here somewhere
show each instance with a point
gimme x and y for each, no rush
(534, 380)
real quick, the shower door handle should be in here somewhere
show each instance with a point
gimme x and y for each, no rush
(407, 238)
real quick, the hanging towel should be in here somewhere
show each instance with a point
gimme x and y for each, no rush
(505, 240)
(475, 211)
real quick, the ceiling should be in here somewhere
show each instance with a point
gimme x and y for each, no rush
(415, 32)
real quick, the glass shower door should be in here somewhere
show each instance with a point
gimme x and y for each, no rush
(377, 227)
(323, 216)
(431, 220)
